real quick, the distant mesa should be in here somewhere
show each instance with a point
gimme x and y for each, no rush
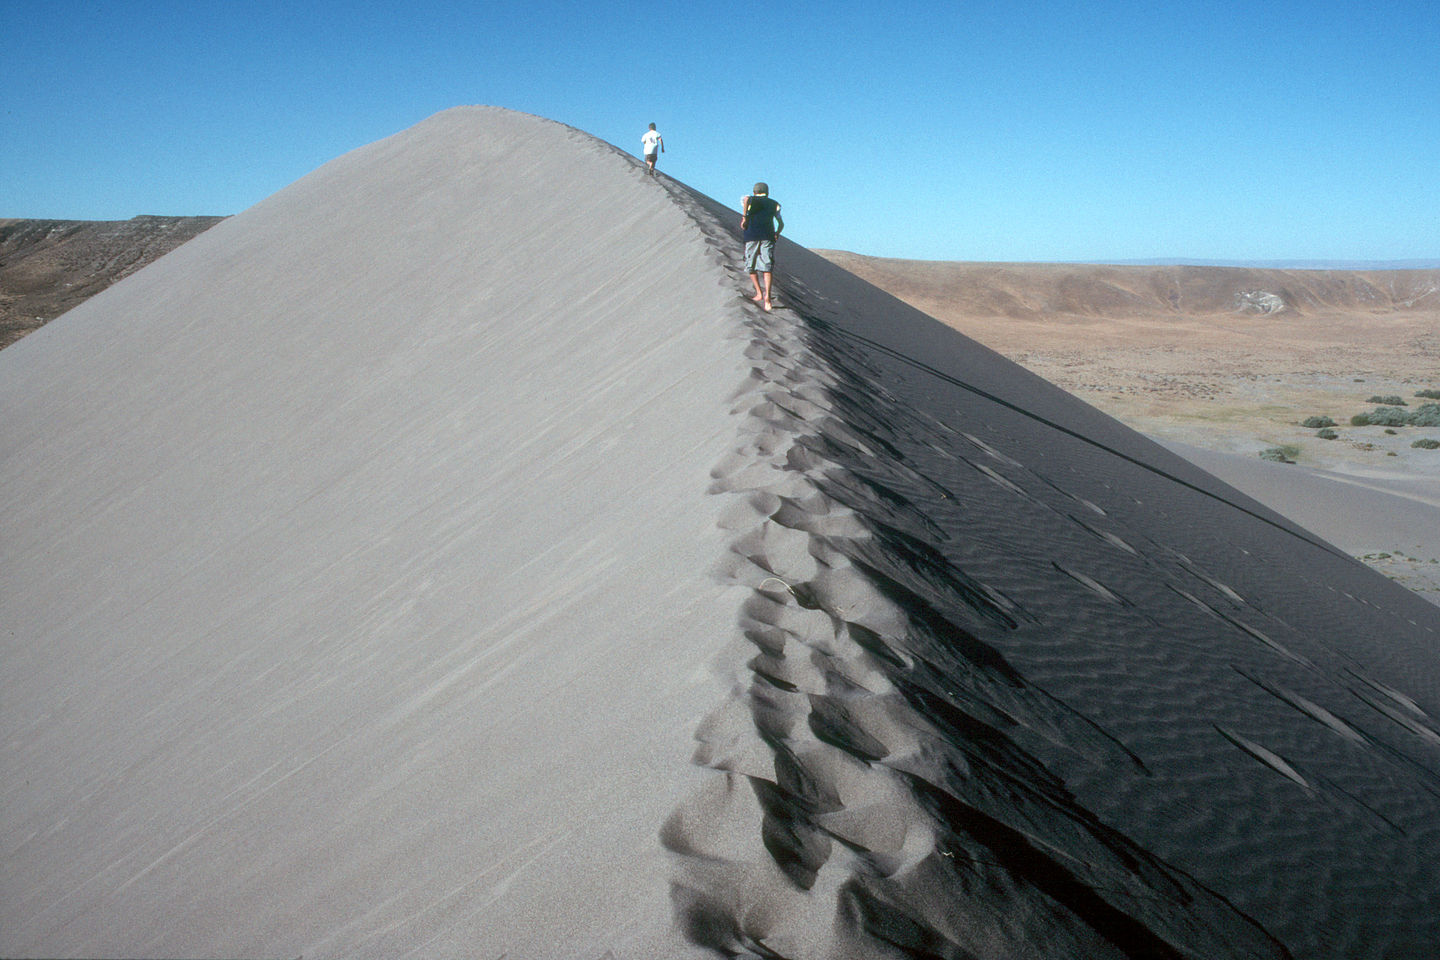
(1056, 292)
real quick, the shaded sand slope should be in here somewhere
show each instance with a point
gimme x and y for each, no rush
(1044, 590)
(373, 599)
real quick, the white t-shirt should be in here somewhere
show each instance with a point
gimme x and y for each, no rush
(651, 140)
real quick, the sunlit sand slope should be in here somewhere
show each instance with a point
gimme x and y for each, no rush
(357, 585)
(455, 562)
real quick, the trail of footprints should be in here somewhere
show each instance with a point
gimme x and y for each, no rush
(866, 791)
(824, 825)
(800, 744)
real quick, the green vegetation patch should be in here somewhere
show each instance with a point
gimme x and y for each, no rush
(1386, 417)
(1285, 454)
(1425, 415)
(1426, 443)
(1388, 401)
(1315, 423)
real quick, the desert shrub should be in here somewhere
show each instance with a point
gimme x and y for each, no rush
(1426, 443)
(1317, 422)
(1280, 454)
(1390, 401)
(1390, 432)
(1387, 417)
(1428, 394)
(1327, 434)
(1425, 415)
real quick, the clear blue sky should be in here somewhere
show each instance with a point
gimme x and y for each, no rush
(988, 130)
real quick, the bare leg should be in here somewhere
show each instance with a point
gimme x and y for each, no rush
(766, 303)
(760, 295)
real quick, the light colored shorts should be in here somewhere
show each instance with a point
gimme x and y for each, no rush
(759, 256)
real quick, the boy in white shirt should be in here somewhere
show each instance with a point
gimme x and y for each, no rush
(654, 145)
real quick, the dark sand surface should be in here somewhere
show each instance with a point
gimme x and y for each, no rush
(533, 594)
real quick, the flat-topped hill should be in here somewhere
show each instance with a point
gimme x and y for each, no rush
(1071, 293)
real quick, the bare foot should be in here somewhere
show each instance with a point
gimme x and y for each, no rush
(767, 306)
(758, 299)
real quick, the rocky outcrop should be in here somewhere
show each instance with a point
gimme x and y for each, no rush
(50, 266)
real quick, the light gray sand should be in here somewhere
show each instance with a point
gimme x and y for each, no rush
(357, 591)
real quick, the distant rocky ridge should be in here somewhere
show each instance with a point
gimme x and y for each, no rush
(1412, 264)
(1031, 291)
(49, 266)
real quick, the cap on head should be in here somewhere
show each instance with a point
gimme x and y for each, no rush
(762, 189)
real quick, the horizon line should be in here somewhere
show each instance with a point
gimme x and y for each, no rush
(1297, 263)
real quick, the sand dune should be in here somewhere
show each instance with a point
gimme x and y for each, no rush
(448, 559)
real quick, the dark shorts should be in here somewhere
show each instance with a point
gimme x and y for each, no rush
(759, 256)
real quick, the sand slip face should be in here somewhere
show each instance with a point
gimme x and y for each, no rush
(456, 564)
